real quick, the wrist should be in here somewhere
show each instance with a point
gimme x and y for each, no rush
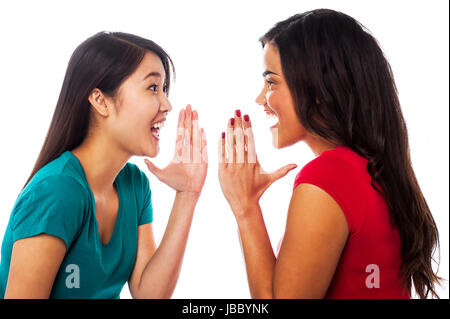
(189, 196)
(244, 212)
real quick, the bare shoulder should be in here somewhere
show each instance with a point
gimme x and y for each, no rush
(316, 233)
(311, 200)
(315, 211)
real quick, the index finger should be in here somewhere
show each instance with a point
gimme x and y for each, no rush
(179, 139)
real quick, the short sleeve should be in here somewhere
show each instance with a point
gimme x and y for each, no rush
(146, 213)
(54, 206)
(342, 182)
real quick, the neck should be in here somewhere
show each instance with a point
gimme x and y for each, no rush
(319, 145)
(101, 162)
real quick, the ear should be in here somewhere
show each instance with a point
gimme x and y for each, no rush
(98, 101)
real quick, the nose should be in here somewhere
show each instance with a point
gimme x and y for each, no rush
(261, 99)
(165, 105)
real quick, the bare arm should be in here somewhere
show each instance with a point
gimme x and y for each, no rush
(35, 261)
(316, 232)
(316, 229)
(156, 271)
(258, 254)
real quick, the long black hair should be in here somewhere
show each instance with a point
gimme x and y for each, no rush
(102, 61)
(329, 57)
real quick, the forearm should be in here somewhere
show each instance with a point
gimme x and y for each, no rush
(258, 253)
(160, 275)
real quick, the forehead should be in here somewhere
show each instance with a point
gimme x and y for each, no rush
(272, 58)
(149, 64)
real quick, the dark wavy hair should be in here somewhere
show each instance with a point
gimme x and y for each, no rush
(329, 57)
(102, 61)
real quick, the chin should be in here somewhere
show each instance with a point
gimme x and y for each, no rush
(279, 141)
(151, 151)
(278, 145)
(151, 155)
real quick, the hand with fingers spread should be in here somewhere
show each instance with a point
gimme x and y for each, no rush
(187, 170)
(242, 179)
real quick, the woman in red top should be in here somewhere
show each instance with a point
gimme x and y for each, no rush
(358, 225)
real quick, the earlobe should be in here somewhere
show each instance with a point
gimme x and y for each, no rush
(98, 101)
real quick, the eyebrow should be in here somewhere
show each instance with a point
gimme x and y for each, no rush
(152, 74)
(265, 73)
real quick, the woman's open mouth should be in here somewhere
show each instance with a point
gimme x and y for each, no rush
(272, 116)
(156, 128)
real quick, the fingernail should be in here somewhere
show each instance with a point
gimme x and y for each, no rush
(246, 118)
(232, 121)
(238, 113)
(223, 134)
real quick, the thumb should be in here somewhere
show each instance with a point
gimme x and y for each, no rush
(281, 172)
(153, 168)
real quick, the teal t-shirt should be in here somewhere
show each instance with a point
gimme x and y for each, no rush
(58, 201)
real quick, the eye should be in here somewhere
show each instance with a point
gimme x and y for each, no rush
(153, 87)
(269, 83)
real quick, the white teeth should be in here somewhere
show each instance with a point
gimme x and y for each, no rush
(155, 133)
(158, 125)
(270, 114)
(156, 128)
(272, 117)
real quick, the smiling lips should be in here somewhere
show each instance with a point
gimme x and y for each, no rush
(156, 127)
(271, 115)
(269, 112)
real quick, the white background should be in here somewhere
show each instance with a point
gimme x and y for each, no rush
(218, 60)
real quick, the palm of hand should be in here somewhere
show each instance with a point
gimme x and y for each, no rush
(242, 179)
(187, 171)
(188, 177)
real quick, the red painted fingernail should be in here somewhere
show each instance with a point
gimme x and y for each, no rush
(232, 121)
(223, 134)
(238, 113)
(246, 118)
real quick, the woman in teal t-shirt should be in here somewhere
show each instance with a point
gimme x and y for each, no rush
(82, 225)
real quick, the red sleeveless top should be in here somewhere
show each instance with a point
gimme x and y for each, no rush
(369, 266)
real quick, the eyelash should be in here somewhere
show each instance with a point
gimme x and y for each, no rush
(156, 86)
(270, 83)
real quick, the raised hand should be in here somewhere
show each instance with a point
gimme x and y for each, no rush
(187, 170)
(242, 179)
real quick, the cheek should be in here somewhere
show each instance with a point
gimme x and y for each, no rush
(142, 112)
(280, 103)
(274, 101)
(134, 120)
(150, 109)
(291, 130)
